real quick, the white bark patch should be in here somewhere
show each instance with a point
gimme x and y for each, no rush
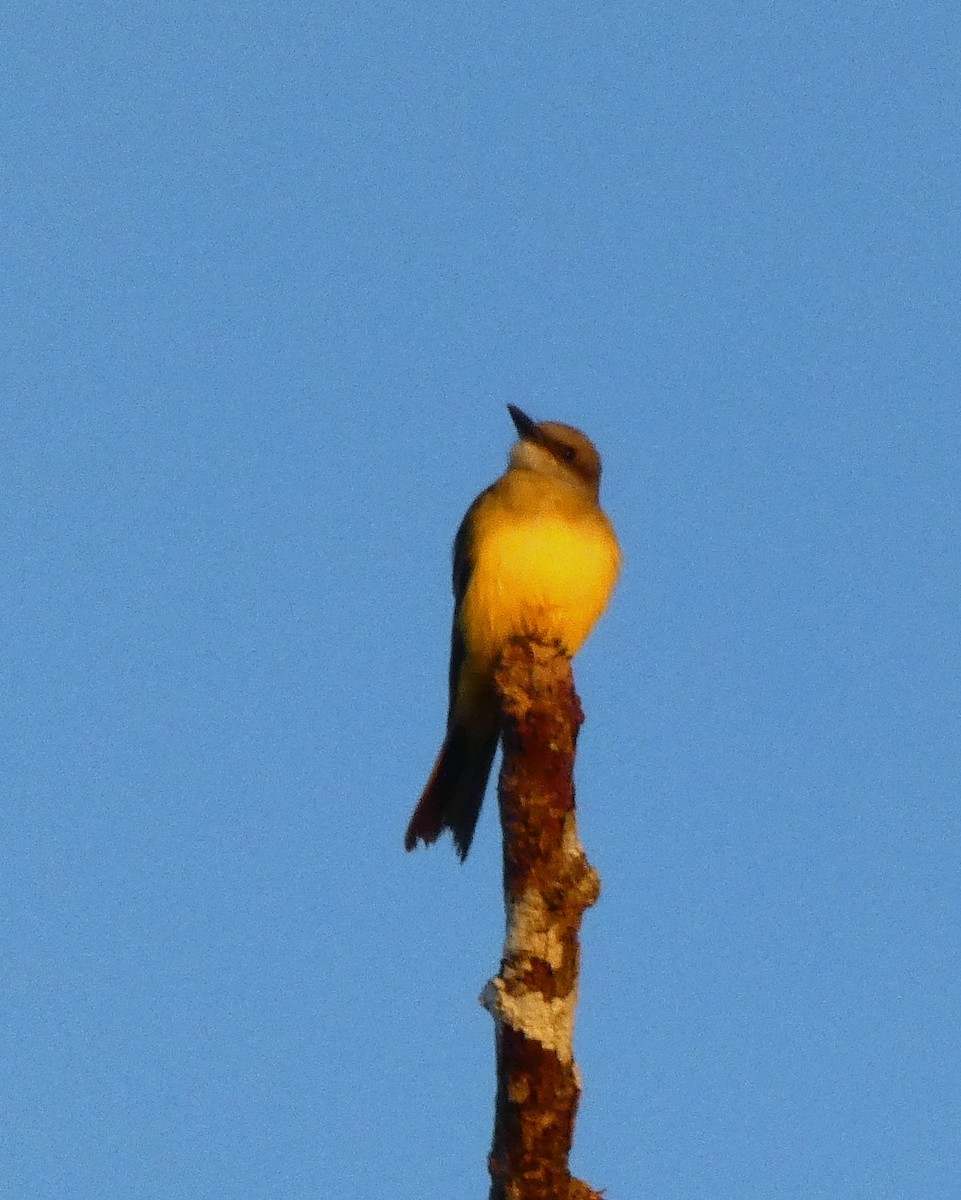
(531, 932)
(548, 1022)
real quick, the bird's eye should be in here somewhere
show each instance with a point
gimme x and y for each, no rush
(568, 453)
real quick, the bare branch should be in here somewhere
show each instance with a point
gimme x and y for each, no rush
(548, 884)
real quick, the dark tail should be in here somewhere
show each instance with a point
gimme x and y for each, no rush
(455, 791)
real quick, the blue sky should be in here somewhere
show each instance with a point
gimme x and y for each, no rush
(271, 275)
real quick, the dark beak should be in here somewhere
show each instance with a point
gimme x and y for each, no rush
(525, 426)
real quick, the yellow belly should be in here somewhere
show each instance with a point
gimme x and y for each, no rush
(544, 577)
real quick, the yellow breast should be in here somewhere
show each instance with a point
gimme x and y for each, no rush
(545, 576)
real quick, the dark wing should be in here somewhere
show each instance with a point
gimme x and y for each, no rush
(463, 567)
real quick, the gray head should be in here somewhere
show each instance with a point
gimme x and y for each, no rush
(555, 449)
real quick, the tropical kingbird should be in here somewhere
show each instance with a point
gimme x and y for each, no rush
(535, 556)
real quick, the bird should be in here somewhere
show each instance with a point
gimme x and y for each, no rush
(535, 557)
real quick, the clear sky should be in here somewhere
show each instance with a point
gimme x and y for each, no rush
(270, 275)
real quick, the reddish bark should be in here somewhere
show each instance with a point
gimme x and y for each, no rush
(548, 884)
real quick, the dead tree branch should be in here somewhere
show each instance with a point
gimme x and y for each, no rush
(548, 885)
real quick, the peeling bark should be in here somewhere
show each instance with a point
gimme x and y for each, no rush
(548, 884)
